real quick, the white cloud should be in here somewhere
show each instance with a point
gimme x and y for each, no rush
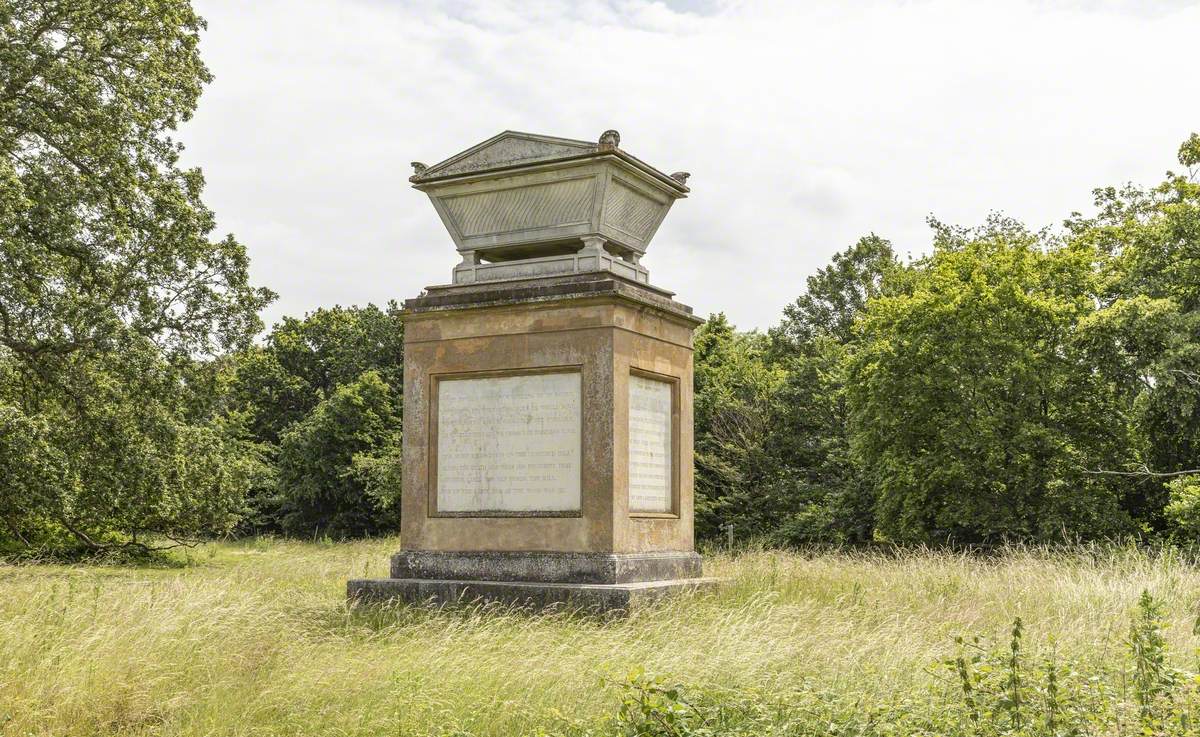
(804, 126)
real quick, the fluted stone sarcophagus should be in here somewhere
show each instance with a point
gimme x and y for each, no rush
(522, 205)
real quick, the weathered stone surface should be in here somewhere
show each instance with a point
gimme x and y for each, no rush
(522, 205)
(547, 455)
(608, 335)
(590, 568)
(545, 289)
(508, 443)
(609, 599)
(651, 444)
(510, 148)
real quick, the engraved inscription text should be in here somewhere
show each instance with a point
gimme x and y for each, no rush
(650, 441)
(509, 443)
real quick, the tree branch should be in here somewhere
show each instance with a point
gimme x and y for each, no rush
(1143, 472)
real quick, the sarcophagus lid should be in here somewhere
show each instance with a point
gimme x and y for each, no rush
(521, 205)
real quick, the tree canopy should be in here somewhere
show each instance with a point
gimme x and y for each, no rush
(111, 285)
(974, 404)
(322, 397)
(1009, 384)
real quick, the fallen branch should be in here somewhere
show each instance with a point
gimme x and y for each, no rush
(132, 544)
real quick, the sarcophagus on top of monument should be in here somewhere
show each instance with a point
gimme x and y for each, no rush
(547, 389)
(525, 205)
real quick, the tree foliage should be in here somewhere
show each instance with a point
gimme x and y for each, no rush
(322, 487)
(323, 397)
(974, 404)
(1009, 385)
(110, 285)
(772, 446)
(734, 387)
(304, 360)
(105, 236)
(1151, 324)
(836, 295)
(810, 439)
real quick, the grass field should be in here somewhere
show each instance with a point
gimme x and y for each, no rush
(255, 638)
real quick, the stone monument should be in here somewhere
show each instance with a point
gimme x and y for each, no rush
(548, 388)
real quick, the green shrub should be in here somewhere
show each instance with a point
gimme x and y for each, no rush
(322, 484)
(1183, 507)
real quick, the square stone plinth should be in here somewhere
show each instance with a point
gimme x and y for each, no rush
(549, 415)
(606, 599)
(547, 447)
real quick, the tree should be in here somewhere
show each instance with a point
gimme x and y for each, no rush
(974, 402)
(305, 359)
(836, 295)
(110, 287)
(832, 499)
(1148, 335)
(734, 387)
(322, 483)
(304, 363)
(1183, 508)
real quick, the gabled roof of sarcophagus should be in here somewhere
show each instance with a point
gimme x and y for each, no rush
(511, 149)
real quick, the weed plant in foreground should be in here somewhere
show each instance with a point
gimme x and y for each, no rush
(255, 638)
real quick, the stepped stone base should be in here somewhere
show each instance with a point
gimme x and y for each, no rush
(617, 598)
(600, 568)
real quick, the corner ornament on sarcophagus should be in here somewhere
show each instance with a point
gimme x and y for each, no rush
(548, 387)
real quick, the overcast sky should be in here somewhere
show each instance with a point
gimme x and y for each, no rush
(804, 125)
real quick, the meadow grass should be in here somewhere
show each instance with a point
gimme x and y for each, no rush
(255, 638)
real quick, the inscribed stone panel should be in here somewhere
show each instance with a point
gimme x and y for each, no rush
(650, 444)
(509, 443)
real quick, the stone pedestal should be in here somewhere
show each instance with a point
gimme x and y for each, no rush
(547, 445)
(548, 390)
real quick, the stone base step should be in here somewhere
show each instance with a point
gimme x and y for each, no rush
(593, 598)
(605, 568)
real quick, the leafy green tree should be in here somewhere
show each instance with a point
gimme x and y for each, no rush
(104, 234)
(303, 363)
(305, 359)
(1183, 508)
(734, 388)
(832, 500)
(974, 402)
(110, 286)
(324, 487)
(1148, 337)
(836, 295)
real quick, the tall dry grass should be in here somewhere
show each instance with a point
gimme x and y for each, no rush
(255, 638)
